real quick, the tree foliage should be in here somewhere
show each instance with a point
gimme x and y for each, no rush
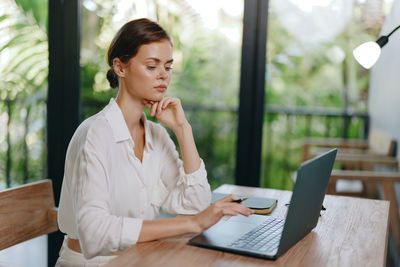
(206, 77)
(23, 91)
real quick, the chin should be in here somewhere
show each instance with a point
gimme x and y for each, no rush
(157, 97)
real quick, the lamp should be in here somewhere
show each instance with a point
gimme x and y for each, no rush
(368, 53)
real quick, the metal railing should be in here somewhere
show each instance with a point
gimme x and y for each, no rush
(285, 130)
(215, 130)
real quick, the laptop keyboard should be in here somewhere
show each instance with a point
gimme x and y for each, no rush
(264, 238)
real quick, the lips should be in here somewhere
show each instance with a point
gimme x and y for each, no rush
(161, 88)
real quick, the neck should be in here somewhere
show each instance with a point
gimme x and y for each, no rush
(132, 110)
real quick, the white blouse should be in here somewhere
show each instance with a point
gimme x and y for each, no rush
(107, 192)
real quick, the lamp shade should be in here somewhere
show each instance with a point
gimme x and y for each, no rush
(367, 54)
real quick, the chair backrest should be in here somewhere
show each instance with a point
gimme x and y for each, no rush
(27, 211)
(380, 143)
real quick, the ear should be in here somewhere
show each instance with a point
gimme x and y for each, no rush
(119, 67)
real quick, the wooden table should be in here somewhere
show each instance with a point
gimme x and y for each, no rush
(351, 232)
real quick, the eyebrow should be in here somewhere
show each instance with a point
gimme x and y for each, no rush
(158, 60)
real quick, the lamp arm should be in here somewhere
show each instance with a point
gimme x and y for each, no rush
(384, 39)
(395, 29)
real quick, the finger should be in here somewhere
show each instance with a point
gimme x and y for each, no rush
(229, 198)
(242, 209)
(161, 104)
(167, 102)
(236, 210)
(154, 109)
(239, 208)
(172, 100)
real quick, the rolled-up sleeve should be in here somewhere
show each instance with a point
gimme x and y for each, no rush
(100, 232)
(183, 193)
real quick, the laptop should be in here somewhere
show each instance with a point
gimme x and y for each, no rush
(268, 237)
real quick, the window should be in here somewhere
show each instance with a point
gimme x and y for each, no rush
(207, 48)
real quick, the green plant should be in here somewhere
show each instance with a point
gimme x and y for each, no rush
(23, 90)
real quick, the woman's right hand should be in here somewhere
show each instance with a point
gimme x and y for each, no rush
(222, 207)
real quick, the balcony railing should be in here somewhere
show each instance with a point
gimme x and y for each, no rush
(23, 145)
(285, 129)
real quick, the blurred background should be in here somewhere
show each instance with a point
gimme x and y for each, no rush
(313, 85)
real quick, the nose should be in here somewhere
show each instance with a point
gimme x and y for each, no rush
(162, 74)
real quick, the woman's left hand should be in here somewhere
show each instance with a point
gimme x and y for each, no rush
(169, 112)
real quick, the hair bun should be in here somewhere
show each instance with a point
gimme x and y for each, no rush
(112, 78)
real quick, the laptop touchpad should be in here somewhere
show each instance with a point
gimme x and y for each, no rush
(225, 232)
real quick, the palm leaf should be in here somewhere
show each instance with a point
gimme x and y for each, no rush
(24, 75)
(27, 62)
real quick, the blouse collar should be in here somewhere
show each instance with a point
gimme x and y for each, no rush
(118, 125)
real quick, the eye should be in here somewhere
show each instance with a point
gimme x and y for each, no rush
(151, 67)
(168, 68)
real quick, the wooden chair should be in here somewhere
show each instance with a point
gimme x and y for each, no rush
(386, 180)
(27, 211)
(357, 154)
(352, 151)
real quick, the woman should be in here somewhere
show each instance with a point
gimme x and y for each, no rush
(121, 168)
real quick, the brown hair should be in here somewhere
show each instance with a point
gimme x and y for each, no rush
(127, 41)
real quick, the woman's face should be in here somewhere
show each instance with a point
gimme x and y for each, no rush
(148, 73)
